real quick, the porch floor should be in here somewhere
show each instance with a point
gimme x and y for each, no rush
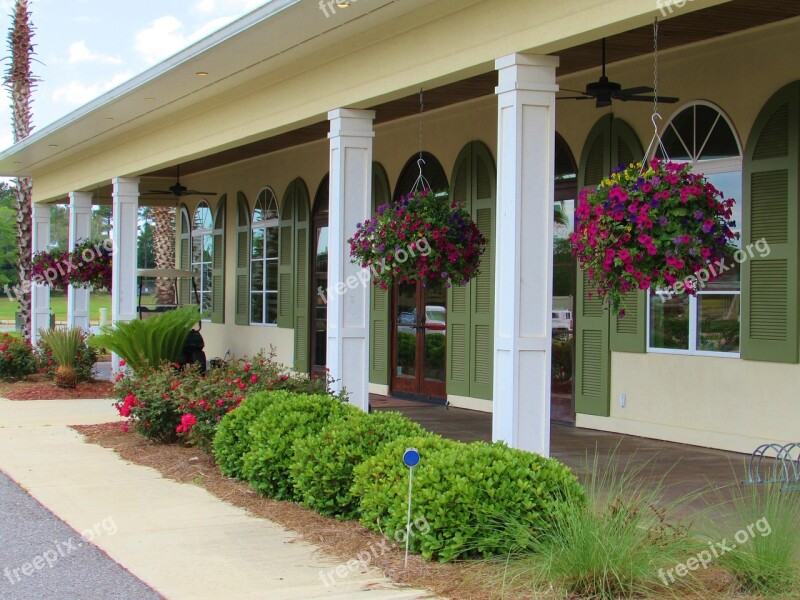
(684, 469)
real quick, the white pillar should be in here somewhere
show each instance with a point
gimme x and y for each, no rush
(125, 207)
(80, 228)
(524, 254)
(40, 293)
(350, 137)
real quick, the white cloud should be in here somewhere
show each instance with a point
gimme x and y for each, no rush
(163, 38)
(76, 92)
(205, 6)
(79, 52)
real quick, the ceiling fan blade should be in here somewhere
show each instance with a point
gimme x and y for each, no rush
(196, 193)
(573, 91)
(636, 91)
(662, 99)
(574, 98)
(161, 192)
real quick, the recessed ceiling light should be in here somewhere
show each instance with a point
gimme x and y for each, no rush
(343, 3)
(109, 118)
(201, 73)
(16, 162)
(149, 98)
(54, 145)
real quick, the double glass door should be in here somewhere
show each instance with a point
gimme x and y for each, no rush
(419, 358)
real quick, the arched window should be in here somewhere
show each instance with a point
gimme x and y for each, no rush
(203, 253)
(264, 260)
(708, 323)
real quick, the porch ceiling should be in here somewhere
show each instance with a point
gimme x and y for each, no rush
(681, 29)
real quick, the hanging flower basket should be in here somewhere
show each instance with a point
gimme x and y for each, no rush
(656, 229)
(88, 265)
(419, 238)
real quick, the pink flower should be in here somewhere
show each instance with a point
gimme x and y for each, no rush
(122, 362)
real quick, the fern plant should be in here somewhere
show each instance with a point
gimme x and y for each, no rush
(64, 344)
(151, 342)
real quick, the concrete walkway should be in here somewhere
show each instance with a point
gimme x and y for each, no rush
(177, 538)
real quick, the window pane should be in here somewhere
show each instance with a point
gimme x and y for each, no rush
(206, 300)
(202, 217)
(197, 249)
(258, 243)
(272, 308)
(257, 308)
(208, 248)
(272, 242)
(730, 184)
(718, 322)
(669, 322)
(257, 277)
(672, 143)
(271, 283)
(206, 277)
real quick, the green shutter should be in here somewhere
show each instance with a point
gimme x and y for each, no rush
(379, 298)
(470, 312)
(484, 188)
(185, 256)
(242, 260)
(286, 260)
(218, 264)
(459, 350)
(302, 277)
(770, 211)
(628, 333)
(609, 143)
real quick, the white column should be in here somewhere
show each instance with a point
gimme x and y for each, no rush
(524, 255)
(40, 293)
(348, 299)
(125, 206)
(80, 228)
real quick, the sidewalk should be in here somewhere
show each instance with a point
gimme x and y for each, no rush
(177, 538)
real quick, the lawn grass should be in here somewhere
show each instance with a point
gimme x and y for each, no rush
(58, 305)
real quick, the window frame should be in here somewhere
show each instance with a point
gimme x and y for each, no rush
(195, 233)
(269, 199)
(708, 167)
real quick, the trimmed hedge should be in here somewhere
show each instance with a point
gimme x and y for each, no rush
(322, 469)
(265, 466)
(461, 490)
(232, 439)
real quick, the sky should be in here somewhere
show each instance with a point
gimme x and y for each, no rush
(87, 47)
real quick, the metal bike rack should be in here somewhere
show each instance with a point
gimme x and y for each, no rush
(781, 467)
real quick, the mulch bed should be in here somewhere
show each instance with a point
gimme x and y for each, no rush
(343, 540)
(39, 388)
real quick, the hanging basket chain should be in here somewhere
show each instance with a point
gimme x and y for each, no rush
(421, 184)
(655, 141)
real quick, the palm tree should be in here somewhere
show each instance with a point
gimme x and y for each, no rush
(164, 247)
(20, 82)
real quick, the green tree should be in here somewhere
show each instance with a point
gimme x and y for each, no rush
(9, 251)
(59, 226)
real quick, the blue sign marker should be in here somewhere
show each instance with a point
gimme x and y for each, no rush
(411, 458)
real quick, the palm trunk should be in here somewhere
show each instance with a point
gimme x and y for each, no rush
(20, 82)
(164, 248)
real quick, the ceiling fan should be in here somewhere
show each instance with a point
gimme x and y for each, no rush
(604, 91)
(178, 190)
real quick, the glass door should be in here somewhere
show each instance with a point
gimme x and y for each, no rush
(420, 341)
(319, 308)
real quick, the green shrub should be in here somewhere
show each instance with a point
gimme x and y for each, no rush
(765, 561)
(619, 546)
(322, 468)
(17, 360)
(460, 491)
(266, 465)
(151, 342)
(232, 439)
(84, 358)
